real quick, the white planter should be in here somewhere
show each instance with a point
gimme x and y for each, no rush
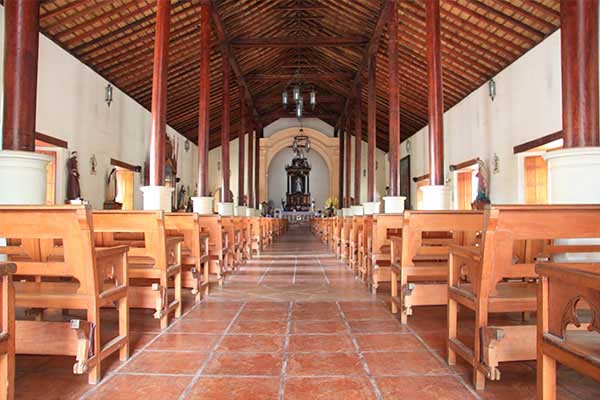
(339, 212)
(240, 211)
(23, 177)
(250, 212)
(437, 197)
(393, 204)
(574, 175)
(372, 207)
(225, 209)
(203, 205)
(346, 212)
(357, 210)
(157, 198)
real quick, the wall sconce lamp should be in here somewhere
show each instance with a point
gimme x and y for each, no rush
(108, 94)
(492, 89)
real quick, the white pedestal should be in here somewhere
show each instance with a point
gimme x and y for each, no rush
(372, 207)
(203, 205)
(22, 177)
(573, 178)
(358, 210)
(250, 212)
(339, 212)
(438, 197)
(393, 204)
(346, 212)
(225, 209)
(157, 198)
(240, 211)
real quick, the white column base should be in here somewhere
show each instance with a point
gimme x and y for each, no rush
(240, 211)
(573, 179)
(393, 204)
(203, 205)
(225, 209)
(250, 212)
(22, 177)
(157, 198)
(437, 197)
(372, 207)
(358, 210)
(346, 212)
(339, 212)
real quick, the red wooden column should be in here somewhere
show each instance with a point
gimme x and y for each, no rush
(394, 103)
(159, 94)
(204, 101)
(257, 166)
(436, 99)
(579, 55)
(342, 155)
(225, 120)
(372, 129)
(357, 147)
(251, 165)
(20, 74)
(348, 161)
(242, 147)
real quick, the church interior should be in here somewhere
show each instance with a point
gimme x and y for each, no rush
(300, 199)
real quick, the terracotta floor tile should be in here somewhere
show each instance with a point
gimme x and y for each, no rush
(313, 314)
(377, 326)
(378, 313)
(355, 388)
(50, 385)
(199, 326)
(212, 314)
(404, 362)
(261, 327)
(235, 388)
(388, 342)
(244, 364)
(321, 343)
(148, 387)
(309, 326)
(263, 315)
(319, 364)
(166, 362)
(267, 305)
(423, 388)
(252, 343)
(185, 341)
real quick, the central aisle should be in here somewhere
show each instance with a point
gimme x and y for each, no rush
(292, 324)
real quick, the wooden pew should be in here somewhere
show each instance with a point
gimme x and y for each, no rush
(7, 331)
(355, 232)
(336, 239)
(194, 251)
(154, 258)
(256, 236)
(490, 279)
(419, 272)
(344, 246)
(220, 258)
(60, 268)
(234, 241)
(563, 289)
(365, 242)
(384, 227)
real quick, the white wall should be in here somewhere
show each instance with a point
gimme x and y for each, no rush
(70, 106)
(527, 106)
(319, 178)
(284, 123)
(214, 168)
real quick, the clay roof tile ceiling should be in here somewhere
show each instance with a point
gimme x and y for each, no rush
(271, 39)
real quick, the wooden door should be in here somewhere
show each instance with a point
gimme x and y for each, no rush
(536, 180)
(464, 193)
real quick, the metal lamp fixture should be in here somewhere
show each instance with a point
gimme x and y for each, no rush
(298, 99)
(108, 94)
(492, 88)
(284, 98)
(313, 98)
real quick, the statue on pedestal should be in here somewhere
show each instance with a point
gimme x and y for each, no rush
(73, 188)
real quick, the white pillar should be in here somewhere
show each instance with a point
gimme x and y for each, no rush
(437, 197)
(157, 198)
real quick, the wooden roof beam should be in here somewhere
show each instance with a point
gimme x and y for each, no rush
(330, 76)
(298, 42)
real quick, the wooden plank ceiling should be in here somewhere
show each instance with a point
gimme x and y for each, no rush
(270, 41)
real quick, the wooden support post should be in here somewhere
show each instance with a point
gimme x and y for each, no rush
(394, 102)
(20, 74)
(357, 146)
(251, 165)
(225, 120)
(342, 155)
(257, 166)
(436, 96)
(579, 67)
(348, 167)
(241, 147)
(204, 101)
(159, 94)
(372, 129)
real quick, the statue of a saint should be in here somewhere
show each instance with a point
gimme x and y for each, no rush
(73, 189)
(299, 185)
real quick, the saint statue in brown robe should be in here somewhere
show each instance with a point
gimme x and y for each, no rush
(73, 189)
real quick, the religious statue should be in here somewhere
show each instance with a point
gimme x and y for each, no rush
(482, 198)
(73, 188)
(181, 198)
(299, 185)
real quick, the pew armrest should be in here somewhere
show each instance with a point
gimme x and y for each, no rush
(7, 268)
(106, 252)
(470, 253)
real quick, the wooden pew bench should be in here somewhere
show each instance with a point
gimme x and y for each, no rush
(220, 258)
(59, 267)
(255, 236)
(385, 226)
(234, 242)
(365, 241)
(419, 272)
(563, 290)
(492, 280)
(355, 232)
(194, 251)
(154, 258)
(344, 246)
(7, 330)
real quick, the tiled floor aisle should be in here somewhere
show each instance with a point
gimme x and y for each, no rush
(293, 324)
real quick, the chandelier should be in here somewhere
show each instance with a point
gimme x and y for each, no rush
(301, 146)
(298, 99)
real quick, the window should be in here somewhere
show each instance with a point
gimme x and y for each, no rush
(536, 180)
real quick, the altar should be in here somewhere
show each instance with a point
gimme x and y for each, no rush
(297, 217)
(298, 196)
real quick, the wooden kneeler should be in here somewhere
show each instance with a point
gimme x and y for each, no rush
(59, 267)
(154, 258)
(7, 331)
(194, 251)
